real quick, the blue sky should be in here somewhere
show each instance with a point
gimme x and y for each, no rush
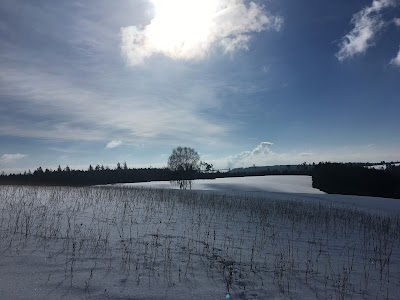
(263, 82)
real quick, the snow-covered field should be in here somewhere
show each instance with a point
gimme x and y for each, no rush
(254, 237)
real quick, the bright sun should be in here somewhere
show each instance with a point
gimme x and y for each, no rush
(190, 29)
(181, 26)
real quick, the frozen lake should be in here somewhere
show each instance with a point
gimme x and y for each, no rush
(285, 187)
(281, 184)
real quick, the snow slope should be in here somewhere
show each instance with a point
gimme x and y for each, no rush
(242, 235)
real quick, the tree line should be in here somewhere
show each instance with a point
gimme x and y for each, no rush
(355, 179)
(106, 175)
(98, 175)
(184, 165)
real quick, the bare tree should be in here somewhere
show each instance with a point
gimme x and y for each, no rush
(185, 162)
(206, 167)
(184, 159)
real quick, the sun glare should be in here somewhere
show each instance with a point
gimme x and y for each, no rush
(181, 26)
(189, 29)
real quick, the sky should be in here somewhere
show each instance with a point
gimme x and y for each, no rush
(244, 83)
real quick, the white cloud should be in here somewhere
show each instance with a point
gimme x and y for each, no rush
(396, 21)
(11, 158)
(262, 155)
(247, 158)
(262, 149)
(114, 144)
(396, 60)
(187, 29)
(367, 23)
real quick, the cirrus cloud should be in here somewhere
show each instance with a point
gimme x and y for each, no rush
(187, 29)
(396, 61)
(367, 23)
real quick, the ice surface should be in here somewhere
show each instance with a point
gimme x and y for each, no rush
(282, 183)
(285, 187)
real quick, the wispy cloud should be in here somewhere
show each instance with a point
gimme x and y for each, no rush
(188, 29)
(114, 144)
(79, 89)
(11, 158)
(396, 61)
(367, 23)
(82, 113)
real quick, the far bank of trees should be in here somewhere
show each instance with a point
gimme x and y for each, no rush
(105, 175)
(184, 165)
(355, 179)
(95, 176)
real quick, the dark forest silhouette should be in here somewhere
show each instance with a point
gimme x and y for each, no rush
(356, 179)
(332, 178)
(122, 174)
